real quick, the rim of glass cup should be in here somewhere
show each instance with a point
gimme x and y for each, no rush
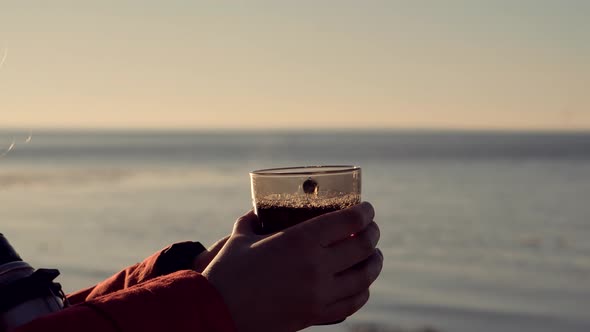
(306, 170)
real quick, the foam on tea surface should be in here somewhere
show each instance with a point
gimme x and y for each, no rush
(279, 211)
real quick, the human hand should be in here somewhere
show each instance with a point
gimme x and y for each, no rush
(204, 258)
(311, 273)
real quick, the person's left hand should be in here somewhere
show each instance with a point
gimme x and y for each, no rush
(202, 261)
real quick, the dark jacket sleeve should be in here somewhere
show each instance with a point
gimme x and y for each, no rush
(181, 301)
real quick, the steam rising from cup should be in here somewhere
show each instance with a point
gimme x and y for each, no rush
(12, 143)
(3, 55)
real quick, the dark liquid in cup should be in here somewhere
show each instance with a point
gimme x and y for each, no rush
(276, 218)
(275, 214)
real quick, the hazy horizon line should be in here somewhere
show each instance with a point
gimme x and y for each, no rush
(286, 129)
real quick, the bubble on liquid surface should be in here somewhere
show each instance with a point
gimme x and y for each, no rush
(310, 186)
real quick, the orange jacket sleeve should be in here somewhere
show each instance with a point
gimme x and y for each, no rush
(181, 301)
(148, 297)
(179, 256)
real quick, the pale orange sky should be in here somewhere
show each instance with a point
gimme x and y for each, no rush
(302, 64)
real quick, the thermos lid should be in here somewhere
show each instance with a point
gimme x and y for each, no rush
(7, 252)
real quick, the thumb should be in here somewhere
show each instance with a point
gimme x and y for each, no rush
(215, 248)
(203, 260)
(246, 224)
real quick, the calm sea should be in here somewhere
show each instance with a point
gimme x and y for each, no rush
(481, 231)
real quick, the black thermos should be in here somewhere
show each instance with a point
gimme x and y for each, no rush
(25, 293)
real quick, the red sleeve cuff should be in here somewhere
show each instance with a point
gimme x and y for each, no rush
(181, 301)
(178, 256)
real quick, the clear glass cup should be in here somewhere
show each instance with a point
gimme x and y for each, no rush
(283, 197)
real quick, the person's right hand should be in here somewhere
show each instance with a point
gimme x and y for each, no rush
(311, 273)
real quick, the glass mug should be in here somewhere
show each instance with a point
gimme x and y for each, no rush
(283, 197)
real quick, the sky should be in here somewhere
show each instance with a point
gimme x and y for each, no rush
(455, 64)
